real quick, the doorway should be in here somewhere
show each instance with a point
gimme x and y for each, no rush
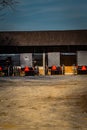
(68, 60)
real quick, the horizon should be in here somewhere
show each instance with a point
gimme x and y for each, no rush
(42, 30)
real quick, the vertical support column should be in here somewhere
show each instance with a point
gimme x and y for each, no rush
(44, 63)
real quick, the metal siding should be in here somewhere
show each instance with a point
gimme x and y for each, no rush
(54, 59)
(26, 59)
(82, 58)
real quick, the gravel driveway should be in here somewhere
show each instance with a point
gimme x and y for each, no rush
(43, 103)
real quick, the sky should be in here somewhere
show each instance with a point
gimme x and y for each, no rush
(40, 15)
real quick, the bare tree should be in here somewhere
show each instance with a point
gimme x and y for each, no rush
(7, 3)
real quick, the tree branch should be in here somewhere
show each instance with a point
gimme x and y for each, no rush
(7, 3)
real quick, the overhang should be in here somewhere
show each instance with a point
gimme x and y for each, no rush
(43, 38)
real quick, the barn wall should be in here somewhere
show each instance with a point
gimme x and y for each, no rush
(43, 38)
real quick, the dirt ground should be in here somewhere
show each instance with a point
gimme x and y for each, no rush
(43, 103)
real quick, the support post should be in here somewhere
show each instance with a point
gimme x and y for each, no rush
(43, 63)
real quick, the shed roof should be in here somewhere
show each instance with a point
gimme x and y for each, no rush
(43, 38)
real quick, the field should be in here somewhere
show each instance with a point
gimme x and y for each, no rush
(43, 103)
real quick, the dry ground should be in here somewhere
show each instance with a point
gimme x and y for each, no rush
(43, 103)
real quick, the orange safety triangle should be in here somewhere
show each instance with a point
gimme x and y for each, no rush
(54, 67)
(83, 67)
(26, 69)
(0, 68)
